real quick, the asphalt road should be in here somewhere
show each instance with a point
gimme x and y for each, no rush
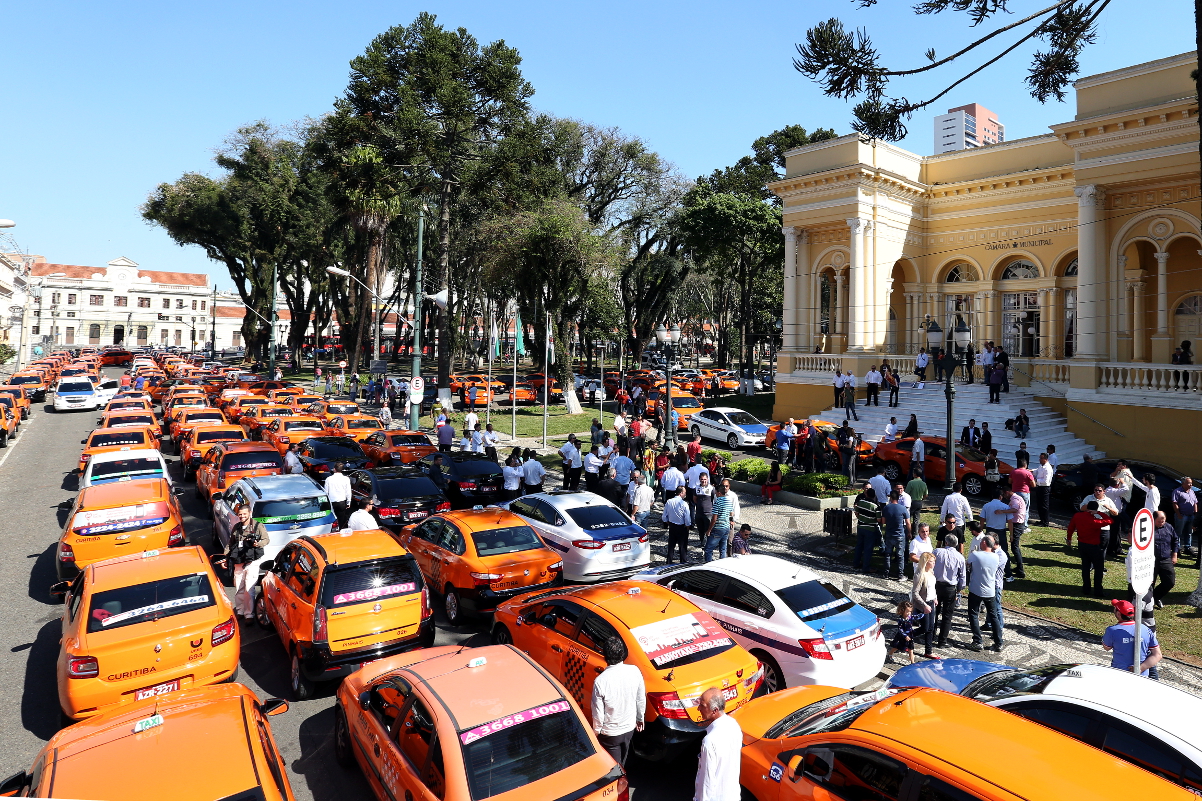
(34, 479)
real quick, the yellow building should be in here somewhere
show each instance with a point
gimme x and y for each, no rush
(1077, 250)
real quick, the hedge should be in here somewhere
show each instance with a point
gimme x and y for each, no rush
(814, 484)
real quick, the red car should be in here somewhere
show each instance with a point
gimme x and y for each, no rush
(970, 463)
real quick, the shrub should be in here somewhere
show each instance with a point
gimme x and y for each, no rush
(6, 353)
(757, 471)
(814, 484)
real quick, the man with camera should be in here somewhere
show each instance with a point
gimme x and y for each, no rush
(247, 539)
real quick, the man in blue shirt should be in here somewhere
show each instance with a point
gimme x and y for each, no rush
(897, 525)
(982, 591)
(1120, 640)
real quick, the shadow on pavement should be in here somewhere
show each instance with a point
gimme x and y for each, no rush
(264, 660)
(326, 779)
(39, 700)
(42, 575)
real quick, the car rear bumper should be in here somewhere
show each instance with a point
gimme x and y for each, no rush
(319, 663)
(486, 600)
(626, 571)
(665, 738)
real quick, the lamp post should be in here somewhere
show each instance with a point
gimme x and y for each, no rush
(668, 337)
(955, 345)
(377, 305)
(23, 342)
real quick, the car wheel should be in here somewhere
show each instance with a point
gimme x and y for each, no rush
(261, 616)
(732, 441)
(302, 688)
(774, 679)
(3, 439)
(892, 471)
(343, 753)
(695, 430)
(452, 606)
(501, 635)
(974, 485)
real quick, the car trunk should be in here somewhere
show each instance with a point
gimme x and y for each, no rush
(106, 533)
(519, 569)
(735, 677)
(128, 658)
(372, 603)
(403, 511)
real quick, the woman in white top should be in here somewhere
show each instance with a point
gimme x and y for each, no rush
(512, 472)
(923, 598)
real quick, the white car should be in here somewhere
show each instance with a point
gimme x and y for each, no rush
(802, 627)
(76, 392)
(735, 427)
(106, 390)
(124, 465)
(598, 541)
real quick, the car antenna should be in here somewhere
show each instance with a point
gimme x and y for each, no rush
(671, 673)
(665, 609)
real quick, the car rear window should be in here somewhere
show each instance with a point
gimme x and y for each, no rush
(302, 425)
(814, 600)
(276, 412)
(409, 439)
(75, 386)
(1011, 682)
(478, 467)
(154, 600)
(111, 471)
(131, 437)
(681, 640)
(219, 436)
(205, 417)
(510, 539)
(24, 379)
(505, 755)
(342, 408)
(253, 401)
(120, 518)
(131, 420)
(370, 581)
(363, 424)
(593, 518)
(252, 460)
(395, 488)
(126, 404)
(342, 449)
(289, 509)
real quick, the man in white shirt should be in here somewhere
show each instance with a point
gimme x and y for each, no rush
(721, 751)
(692, 476)
(532, 475)
(469, 422)
(1042, 499)
(849, 395)
(891, 429)
(919, 545)
(619, 424)
(917, 456)
(838, 384)
(671, 480)
(641, 498)
(593, 463)
(677, 517)
(490, 442)
(957, 505)
(292, 462)
(1152, 492)
(1053, 459)
(362, 519)
(904, 498)
(573, 463)
(872, 384)
(987, 358)
(920, 364)
(619, 702)
(338, 488)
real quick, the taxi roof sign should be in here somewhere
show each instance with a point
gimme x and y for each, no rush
(149, 554)
(148, 723)
(477, 662)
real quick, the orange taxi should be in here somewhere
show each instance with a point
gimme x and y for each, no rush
(141, 626)
(477, 558)
(213, 387)
(228, 396)
(338, 601)
(108, 440)
(180, 388)
(863, 452)
(300, 403)
(418, 729)
(262, 387)
(22, 397)
(188, 419)
(118, 404)
(325, 409)
(240, 405)
(895, 457)
(256, 418)
(680, 650)
(108, 520)
(116, 357)
(226, 462)
(183, 400)
(79, 761)
(35, 381)
(356, 426)
(523, 393)
(10, 421)
(386, 448)
(128, 417)
(284, 394)
(684, 403)
(197, 441)
(282, 431)
(827, 743)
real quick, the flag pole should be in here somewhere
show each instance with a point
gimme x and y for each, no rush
(513, 433)
(492, 338)
(546, 377)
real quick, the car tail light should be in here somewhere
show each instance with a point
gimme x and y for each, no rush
(670, 705)
(388, 511)
(224, 632)
(816, 648)
(334, 525)
(319, 625)
(644, 538)
(175, 537)
(83, 457)
(284, 439)
(876, 630)
(623, 789)
(588, 545)
(753, 682)
(65, 554)
(556, 566)
(467, 485)
(427, 609)
(445, 506)
(193, 454)
(483, 579)
(83, 667)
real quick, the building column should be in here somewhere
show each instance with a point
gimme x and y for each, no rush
(1046, 313)
(1138, 338)
(793, 314)
(806, 298)
(910, 322)
(1162, 294)
(1090, 199)
(991, 317)
(838, 318)
(856, 302)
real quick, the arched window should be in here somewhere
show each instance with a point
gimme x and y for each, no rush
(1019, 270)
(1191, 305)
(1071, 269)
(959, 274)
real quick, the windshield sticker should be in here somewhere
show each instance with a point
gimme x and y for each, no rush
(121, 518)
(813, 610)
(472, 735)
(374, 592)
(290, 518)
(254, 466)
(666, 640)
(147, 610)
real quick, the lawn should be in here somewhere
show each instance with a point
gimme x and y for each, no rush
(1052, 590)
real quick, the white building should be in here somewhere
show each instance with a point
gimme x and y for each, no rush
(967, 127)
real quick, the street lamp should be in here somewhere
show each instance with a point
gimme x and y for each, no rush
(668, 337)
(955, 345)
(375, 327)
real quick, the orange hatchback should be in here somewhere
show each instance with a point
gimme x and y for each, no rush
(680, 650)
(339, 601)
(22, 397)
(107, 440)
(124, 418)
(142, 626)
(300, 403)
(197, 442)
(256, 418)
(386, 448)
(240, 405)
(283, 431)
(420, 728)
(226, 462)
(284, 394)
(108, 520)
(140, 752)
(324, 409)
(34, 381)
(480, 558)
(356, 426)
(189, 419)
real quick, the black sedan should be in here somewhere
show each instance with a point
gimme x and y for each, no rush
(400, 495)
(320, 454)
(1070, 482)
(472, 478)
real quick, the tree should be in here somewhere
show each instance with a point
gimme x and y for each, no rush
(847, 66)
(751, 175)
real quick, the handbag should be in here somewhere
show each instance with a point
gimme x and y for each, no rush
(992, 473)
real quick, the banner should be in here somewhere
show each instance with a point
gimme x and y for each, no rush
(519, 340)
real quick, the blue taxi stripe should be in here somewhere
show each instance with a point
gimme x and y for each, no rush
(779, 645)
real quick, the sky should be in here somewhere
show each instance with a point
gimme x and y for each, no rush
(101, 102)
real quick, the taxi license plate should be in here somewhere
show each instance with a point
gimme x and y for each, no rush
(854, 643)
(487, 488)
(416, 515)
(621, 546)
(730, 694)
(158, 689)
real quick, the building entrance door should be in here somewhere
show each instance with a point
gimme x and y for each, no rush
(1020, 323)
(118, 334)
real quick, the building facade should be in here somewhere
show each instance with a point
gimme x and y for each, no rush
(1077, 250)
(968, 126)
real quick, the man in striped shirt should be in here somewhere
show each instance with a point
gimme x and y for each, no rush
(719, 530)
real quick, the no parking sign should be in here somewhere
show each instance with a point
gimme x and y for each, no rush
(1141, 561)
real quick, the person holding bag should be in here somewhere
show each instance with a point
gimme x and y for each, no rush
(247, 539)
(924, 599)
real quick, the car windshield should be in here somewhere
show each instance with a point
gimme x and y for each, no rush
(253, 402)
(478, 467)
(743, 419)
(205, 417)
(141, 603)
(368, 423)
(681, 640)
(971, 454)
(24, 379)
(409, 439)
(252, 460)
(814, 600)
(219, 436)
(510, 539)
(75, 386)
(287, 510)
(370, 581)
(523, 748)
(127, 404)
(342, 408)
(276, 412)
(685, 403)
(121, 468)
(342, 449)
(1012, 682)
(400, 488)
(833, 714)
(592, 518)
(117, 438)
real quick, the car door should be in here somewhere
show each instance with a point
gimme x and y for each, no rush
(372, 446)
(552, 631)
(702, 587)
(744, 610)
(224, 517)
(934, 468)
(420, 542)
(273, 589)
(446, 564)
(585, 659)
(843, 772)
(300, 587)
(417, 754)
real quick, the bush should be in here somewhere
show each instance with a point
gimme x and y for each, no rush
(814, 484)
(710, 453)
(757, 471)
(6, 353)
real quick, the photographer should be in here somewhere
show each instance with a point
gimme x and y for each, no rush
(247, 539)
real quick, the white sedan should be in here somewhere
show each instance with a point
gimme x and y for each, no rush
(800, 626)
(125, 465)
(598, 541)
(735, 427)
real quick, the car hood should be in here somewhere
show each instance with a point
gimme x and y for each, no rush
(760, 429)
(950, 675)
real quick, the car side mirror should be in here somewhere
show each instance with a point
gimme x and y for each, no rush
(65, 504)
(216, 496)
(266, 565)
(365, 699)
(14, 784)
(219, 560)
(84, 441)
(177, 491)
(817, 763)
(60, 589)
(274, 706)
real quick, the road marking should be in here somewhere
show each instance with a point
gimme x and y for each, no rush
(20, 438)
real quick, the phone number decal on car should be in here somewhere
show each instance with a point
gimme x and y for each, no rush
(471, 735)
(374, 592)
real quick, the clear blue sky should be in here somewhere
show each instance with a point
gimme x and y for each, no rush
(100, 102)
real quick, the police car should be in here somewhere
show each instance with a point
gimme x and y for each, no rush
(735, 427)
(802, 627)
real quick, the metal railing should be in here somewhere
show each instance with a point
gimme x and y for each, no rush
(1166, 379)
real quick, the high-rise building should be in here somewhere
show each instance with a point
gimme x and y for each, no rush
(967, 126)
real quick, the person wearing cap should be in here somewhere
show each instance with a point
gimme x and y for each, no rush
(950, 578)
(1119, 639)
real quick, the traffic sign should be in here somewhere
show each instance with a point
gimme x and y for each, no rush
(415, 398)
(1141, 560)
(417, 385)
(342, 364)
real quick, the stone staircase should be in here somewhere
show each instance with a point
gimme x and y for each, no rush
(972, 401)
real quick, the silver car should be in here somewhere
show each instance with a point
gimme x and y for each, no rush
(598, 541)
(288, 506)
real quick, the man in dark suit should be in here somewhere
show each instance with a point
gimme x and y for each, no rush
(970, 435)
